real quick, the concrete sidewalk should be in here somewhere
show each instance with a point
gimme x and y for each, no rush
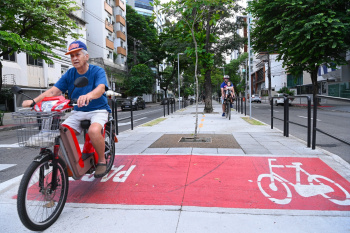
(196, 189)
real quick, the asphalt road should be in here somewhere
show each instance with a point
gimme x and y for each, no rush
(151, 112)
(333, 122)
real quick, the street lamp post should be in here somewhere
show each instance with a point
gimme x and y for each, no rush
(178, 73)
(223, 69)
(147, 61)
(250, 81)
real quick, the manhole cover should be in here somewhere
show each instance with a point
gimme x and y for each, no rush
(187, 139)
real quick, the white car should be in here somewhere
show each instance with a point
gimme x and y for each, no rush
(280, 100)
(256, 98)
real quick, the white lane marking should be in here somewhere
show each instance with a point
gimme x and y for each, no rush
(15, 145)
(306, 118)
(5, 166)
(128, 123)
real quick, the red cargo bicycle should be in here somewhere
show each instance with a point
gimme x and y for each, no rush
(43, 190)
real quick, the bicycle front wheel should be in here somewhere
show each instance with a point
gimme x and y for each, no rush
(39, 204)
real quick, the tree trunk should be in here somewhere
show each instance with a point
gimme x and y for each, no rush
(314, 85)
(208, 87)
(0, 75)
(208, 93)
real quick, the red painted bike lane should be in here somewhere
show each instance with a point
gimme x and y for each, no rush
(217, 181)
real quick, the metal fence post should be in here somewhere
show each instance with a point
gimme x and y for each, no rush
(132, 117)
(271, 113)
(314, 125)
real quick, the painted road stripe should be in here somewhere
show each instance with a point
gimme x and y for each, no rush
(306, 118)
(5, 166)
(128, 123)
(15, 145)
(294, 183)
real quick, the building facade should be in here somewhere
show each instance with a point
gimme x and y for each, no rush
(103, 29)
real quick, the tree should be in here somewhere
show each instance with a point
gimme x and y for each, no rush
(142, 35)
(35, 27)
(201, 22)
(232, 70)
(208, 24)
(305, 33)
(140, 81)
(171, 43)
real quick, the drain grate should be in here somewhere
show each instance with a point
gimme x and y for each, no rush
(187, 139)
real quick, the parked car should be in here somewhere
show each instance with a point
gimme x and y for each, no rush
(164, 102)
(137, 102)
(280, 100)
(256, 98)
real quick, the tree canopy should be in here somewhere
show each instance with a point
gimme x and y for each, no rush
(140, 80)
(142, 38)
(208, 26)
(305, 33)
(35, 27)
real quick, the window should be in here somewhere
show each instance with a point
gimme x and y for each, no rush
(10, 57)
(51, 65)
(64, 69)
(34, 62)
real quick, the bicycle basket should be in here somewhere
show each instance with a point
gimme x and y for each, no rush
(37, 129)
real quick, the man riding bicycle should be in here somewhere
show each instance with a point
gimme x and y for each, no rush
(91, 101)
(223, 88)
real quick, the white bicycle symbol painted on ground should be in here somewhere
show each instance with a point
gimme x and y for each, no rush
(315, 186)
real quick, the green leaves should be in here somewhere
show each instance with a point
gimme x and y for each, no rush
(35, 27)
(305, 32)
(141, 80)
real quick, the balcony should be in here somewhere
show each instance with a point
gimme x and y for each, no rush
(121, 50)
(121, 35)
(109, 26)
(121, 4)
(109, 44)
(120, 19)
(108, 8)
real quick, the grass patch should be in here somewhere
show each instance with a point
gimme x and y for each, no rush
(154, 122)
(252, 121)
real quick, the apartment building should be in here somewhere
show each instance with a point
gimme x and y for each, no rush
(103, 29)
(142, 7)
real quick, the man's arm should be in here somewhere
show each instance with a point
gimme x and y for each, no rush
(94, 94)
(53, 91)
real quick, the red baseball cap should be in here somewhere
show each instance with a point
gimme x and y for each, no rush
(76, 46)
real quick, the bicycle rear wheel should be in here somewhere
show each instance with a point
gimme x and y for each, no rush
(109, 146)
(38, 203)
(229, 111)
(227, 108)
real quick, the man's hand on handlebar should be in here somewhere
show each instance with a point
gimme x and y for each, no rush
(27, 103)
(84, 100)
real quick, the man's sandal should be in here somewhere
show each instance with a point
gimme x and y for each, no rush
(101, 170)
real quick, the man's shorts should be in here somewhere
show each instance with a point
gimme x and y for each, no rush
(97, 116)
(222, 100)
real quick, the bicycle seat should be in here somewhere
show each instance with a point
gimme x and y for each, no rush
(85, 124)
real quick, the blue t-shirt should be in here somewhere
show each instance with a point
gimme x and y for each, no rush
(224, 84)
(96, 76)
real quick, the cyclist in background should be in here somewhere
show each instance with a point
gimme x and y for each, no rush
(230, 92)
(91, 100)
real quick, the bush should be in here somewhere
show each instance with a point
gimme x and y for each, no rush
(286, 90)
